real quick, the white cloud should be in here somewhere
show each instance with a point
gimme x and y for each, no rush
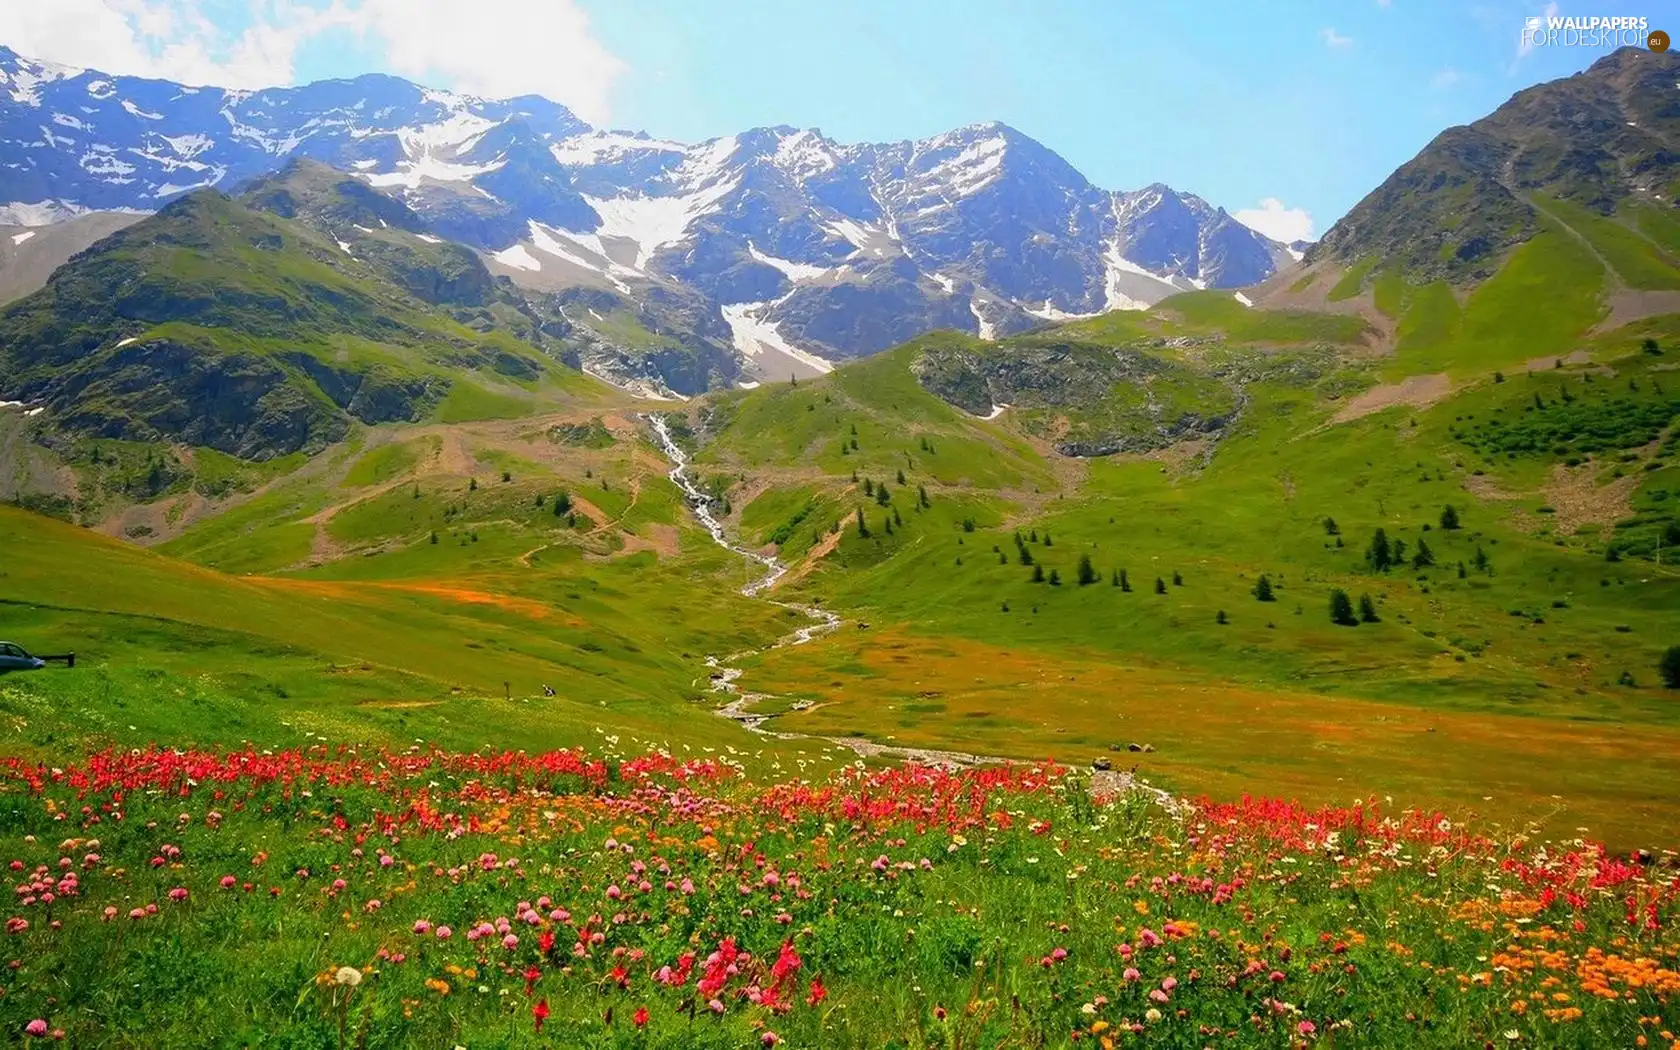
(1276, 221)
(1445, 79)
(484, 47)
(497, 47)
(165, 38)
(1332, 38)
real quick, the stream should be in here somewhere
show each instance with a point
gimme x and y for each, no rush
(724, 672)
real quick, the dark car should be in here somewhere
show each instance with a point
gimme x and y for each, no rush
(14, 658)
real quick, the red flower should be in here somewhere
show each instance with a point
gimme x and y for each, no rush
(532, 976)
(540, 1012)
(818, 992)
(545, 942)
(640, 1017)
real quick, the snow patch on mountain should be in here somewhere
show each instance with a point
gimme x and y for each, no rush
(755, 337)
(794, 271)
(518, 258)
(654, 222)
(606, 147)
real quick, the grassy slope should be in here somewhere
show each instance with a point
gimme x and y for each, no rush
(1527, 656)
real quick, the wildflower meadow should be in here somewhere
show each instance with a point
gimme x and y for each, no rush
(363, 898)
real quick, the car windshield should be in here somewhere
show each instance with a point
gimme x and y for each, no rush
(8, 649)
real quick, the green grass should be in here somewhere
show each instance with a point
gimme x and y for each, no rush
(1542, 303)
(383, 464)
(1352, 281)
(1638, 259)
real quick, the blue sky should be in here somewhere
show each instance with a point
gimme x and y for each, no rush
(1308, 103)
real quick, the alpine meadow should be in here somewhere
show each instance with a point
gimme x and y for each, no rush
(521, 584)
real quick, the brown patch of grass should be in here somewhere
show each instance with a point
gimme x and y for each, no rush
(369, 589)
(1227, 739)
(1417, 391)
(1577, 499)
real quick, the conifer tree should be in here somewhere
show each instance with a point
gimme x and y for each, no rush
(1038, 574)
(1367, 609)
(1263, 589)
(1087, 572)
(862, 526)
(1160, 585)
(1341, 609)
(1055, 578)
(1424, 557)
(1125, 582)
(1178, 581)
(1378, 555)
(1449, 517)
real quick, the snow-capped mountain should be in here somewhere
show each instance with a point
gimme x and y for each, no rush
(810, 250)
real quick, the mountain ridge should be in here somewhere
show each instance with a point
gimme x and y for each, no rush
(820, 250)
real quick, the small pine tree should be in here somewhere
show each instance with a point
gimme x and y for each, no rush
(1055, 578)
(1026, 556)
(1397, 552)
(900, 521)
(540, 497)
(507, 476)
(1087, 572)
(1461, 572)
(1160, 585)
(1480, 562)
(1032, 536)
(1221, 618)
(1449, 517)
(472, 484)
(868, 487)
(854, 444)
(1669, 667)
(901, 481)
(1003, 559)
(1367, 609)
(1379, 555)
(1125, 582)
(1114, 578)
(968, 525)
(434, 539)
(1331, 528)
(1263, 589)
(882, 496)
(862, 526)
(1612, 554)
(922, 500)
(1341, 609)
(888, 525)
(1038, 574)
(562, 503)
(571, 521)
(1424, 557)
(1178, 581)
(1047, 540)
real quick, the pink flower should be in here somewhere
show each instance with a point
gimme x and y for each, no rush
(1131, 973)
(443, 933)
(1159, 996)
(421, 926)
(687, 887)
(1306, 1028)
(769, 1038)
(229, 882)
(178, 894)
(1169, 984)
(35, 1027)
(510, 942)
(614, 893)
